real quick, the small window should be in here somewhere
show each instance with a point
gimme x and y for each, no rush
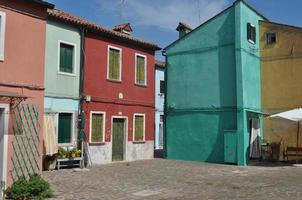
(66, 58)
(139, 127)
(2, 34)
(140, 77)
(97, 128)
(251, 33)
(65, 128)
(114, 65)
(271, 38)
(162, 87)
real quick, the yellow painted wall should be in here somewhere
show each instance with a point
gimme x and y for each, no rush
(281, 81)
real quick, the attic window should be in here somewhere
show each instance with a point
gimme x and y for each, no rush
(271, 38)
(251, 33)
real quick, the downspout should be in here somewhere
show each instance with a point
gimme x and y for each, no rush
(82, 135)
(165, 104)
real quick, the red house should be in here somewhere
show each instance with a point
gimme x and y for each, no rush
(119, 77)
(117, 92)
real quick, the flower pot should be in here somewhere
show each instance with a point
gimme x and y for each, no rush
(50, 164)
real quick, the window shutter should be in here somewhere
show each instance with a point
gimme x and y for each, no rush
(162, 87)
(66, 58)
(64, 128)
(114, 64)
(97, 128)
(139, 128)
(140, 70)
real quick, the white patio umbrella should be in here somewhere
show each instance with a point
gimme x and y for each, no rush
(293, 115)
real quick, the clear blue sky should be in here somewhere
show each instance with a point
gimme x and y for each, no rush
(156, 20)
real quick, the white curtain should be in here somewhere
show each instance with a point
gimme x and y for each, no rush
(255, 139)
(50, 142)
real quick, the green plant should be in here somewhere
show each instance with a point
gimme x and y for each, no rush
(34, 188)
(62, 153)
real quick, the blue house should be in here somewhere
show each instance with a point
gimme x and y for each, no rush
(159, 106)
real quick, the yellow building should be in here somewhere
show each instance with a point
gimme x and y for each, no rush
(281, 80)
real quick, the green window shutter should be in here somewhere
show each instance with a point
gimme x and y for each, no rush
(114, 64)
(66, 58)
(65, 128)
(97, 128)
(139, 128)
(140, 70)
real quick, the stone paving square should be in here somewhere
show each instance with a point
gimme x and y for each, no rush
(169, 179)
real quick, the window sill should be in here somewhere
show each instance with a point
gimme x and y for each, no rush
(96, 143)
(114, 81)
(65, 144)
(140, 85)
(138, 142)
(251, 41)
(67, 74)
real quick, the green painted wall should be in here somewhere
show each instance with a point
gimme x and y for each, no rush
(213, 77)
(247, 75)
(59, 85)
(201, 96)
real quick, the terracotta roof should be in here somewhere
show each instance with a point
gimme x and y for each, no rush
(183, 25)
(43, 3)
(160, 64)
(66, 17)
(125, 26)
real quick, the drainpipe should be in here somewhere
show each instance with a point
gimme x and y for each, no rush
(165, 104)
(81, 87)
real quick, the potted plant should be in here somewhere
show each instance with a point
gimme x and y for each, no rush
(62, 153)
(50, 162)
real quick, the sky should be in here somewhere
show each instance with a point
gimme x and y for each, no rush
(156, 20)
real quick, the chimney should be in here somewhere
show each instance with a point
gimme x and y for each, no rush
(183, 29)
(123, 28)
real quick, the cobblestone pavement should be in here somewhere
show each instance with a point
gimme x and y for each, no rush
(169, 179)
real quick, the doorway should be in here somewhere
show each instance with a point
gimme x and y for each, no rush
(3, 143)
(118, 138)
(255, 139)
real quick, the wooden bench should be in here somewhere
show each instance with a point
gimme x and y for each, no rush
(79, 159)
(291, 152)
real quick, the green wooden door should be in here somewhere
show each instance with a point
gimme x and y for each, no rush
(118, 135)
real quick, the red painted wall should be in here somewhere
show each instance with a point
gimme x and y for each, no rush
(104, 93)
(24, 52)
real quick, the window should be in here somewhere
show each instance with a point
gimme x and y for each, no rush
(2, 34)
(271, 38)
(140, 69)
(65, 127)
(114, 64)
(162, 87)
(97, 127)
(139, 127)
(66, 59)
(251, 33)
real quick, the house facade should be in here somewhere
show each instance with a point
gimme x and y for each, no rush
(119, 96)
(213, 88)
(62, 79)
(281, 48)
(159, 105)
(22, 53)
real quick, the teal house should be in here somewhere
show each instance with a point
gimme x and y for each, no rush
(213, 97)
(62, 80)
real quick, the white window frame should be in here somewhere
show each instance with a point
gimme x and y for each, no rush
(144, 134)
(251, 41)
(73, 55)
(2, 34)
(108, 59)
(144, 56)
(4, 173)
(90, 126)
(72, 129)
